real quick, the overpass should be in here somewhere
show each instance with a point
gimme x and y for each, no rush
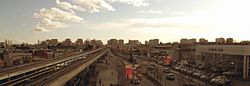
(54, 72)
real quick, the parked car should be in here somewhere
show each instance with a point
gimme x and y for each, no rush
(167, 70)
(221, 80)
(199, 73)
(207, 76)
(170, 76)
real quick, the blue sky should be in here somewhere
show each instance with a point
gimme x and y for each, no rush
(168, 20)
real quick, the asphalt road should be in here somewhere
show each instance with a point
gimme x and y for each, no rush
(116, 60)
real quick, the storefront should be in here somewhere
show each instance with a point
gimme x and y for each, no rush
(228, 57)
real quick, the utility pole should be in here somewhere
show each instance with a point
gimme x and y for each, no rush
(134, 53)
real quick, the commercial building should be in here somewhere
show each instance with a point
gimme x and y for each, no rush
(227, 57)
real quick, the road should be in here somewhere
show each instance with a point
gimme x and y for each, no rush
(117, 60)
(158, 74)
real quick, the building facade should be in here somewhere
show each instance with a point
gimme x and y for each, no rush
(227, 57)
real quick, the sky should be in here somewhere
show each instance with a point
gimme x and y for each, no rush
(167, 20)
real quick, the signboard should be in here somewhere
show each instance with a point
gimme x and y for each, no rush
(129, 70)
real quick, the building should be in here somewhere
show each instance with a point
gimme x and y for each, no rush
(220, 40)
(225, 57)
(7, 44)
(96, 43)
(146, 43)
(229, 41)
(67, 42)
(247, 42)
(188, 41)
(53, 42)
(133, 42)
(120, 42)
(153, 41)
(1, 44)
(79, 42)
(184, 41)
(192, 41)
(112, 42)
(87, 42)
(203, 41)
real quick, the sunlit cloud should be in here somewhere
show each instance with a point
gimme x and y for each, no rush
(136, 3)
(57, 14)
(94, 5)
(53, 18)
(150, 11)
(68, 6)
(39, 29)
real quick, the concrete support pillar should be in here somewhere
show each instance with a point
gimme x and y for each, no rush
(235, 66)
(245, 66)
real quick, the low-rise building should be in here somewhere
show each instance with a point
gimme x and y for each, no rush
(226, 57)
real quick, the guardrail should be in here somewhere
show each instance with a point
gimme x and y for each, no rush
(68, 74)
(9, 76)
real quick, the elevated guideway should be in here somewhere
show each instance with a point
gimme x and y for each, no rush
(26, 74)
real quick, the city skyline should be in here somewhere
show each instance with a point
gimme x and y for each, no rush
(169, 21)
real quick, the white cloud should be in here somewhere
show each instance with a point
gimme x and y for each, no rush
(180, 13)
(94, 5)
(39, 29)
(151, 11)
(57, 14)
(47, 25)
(136, 3)
(68, 6)
(54, 18)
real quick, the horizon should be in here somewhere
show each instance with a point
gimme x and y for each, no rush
(166, 20)
(125, 41)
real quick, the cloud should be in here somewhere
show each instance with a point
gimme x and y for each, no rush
(180, 13)
(59, 17)
(57, 14)
(94, 5)
(68, 6)
(39, 29)
(47, 25)
(54, 18)
(151, 11)
(136, 3)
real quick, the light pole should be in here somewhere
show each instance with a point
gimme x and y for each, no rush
(134, 53)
